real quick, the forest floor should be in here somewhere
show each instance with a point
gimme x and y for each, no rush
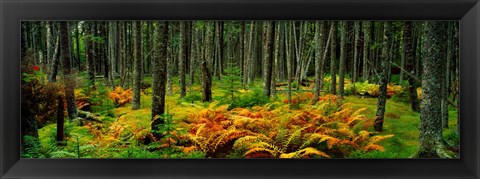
(121, 131)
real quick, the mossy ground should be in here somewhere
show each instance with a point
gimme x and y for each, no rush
(118, 136)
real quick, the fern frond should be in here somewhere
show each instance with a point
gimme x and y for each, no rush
(311, 151)
(361, 136)
(212, 105)
(295, 134)
(372, 147)
(258, 149)
(331, 141)
(199, 130)
(304, 153)
(88, 147)
(313, 137)
(378, 138)
(245, 141)
(62, 154)
(359, 112)
(354, 118)
(220, 139)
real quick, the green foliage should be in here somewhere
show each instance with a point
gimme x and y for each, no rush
(98, 96)
(33, 148)
(81, 149)
(169, 130)
(231, 83)
(452, 138)
(192, 97)
(250, 99)
(36, 75)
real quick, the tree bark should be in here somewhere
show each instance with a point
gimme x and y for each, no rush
(89, 52)
(60, 118)
(55, 61)
(409, 60)
(193, 54)
(366, 49)
(333, 59)
(431, 142)
(68, 77)
(50, 42)
(355, 50)
(137, 65)
(281, 52)
(77, 41)
(268, 57)
(446, 52)
(343, 54)
(112, 33)
(289, 43)
(220, 47)
(206, 76)
(319, 39)
(249, 73)
(170, 64)
(276, 44)
(242, 49)
(320, 57)
(183, 56)
(382, 97)
(159, 73)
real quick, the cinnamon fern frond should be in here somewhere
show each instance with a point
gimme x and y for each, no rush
(304, 153)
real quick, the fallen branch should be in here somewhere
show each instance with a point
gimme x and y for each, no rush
(88, 116)
(406, 72)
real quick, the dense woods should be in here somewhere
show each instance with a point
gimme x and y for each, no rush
(240, 89)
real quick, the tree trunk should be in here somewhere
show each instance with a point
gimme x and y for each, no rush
(319, 39)
(431, 142)
(60, 118)
(55, 62)
(112, 41)
(89, 52)
(343, 54)
(68, 77)
(170, 64)
(159, 75)
(281, 52)
(382, 97)
(148, 50)
(447, 52)
(122, 53)
(183, 56)
(297, 54)
(409, 60)
(193, 55)
(366, 49)
(321, 51)
(242, 49)
(249, 73)
(355, 51)
(220, 47)
(50, 42)
(137, 65)
(77, 41)
(206, 76)
(333, 59)
(289, 43)
(268, 57)
(276, 41)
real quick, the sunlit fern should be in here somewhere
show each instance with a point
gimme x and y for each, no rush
(258, 145)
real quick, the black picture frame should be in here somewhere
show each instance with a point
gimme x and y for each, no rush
(14, 11)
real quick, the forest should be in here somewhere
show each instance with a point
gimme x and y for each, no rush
(239, 89)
